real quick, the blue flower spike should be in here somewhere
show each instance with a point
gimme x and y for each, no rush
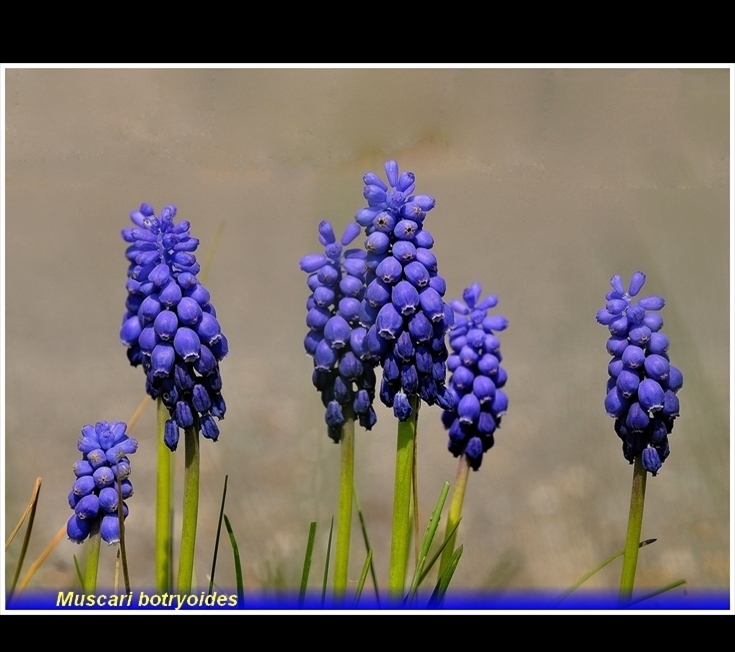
(406, 321)
(343, 365)
(94, 496)
(170, 327)
(477, 378)
(643, 384)
(403, 311)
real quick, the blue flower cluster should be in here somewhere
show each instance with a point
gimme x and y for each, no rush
(477, 376)
(403, 309)
(94, 497)
(343, 365)
(169, 326)
(641, 391)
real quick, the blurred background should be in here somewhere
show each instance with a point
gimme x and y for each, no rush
(547, 183)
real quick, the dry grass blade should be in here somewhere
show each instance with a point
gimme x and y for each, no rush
(31, 506)
(42, 557)
(138, 412)
(31, 512)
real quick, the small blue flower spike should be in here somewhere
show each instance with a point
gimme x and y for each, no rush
(641, 391)
(343, 365)
(94, 496)
(170, 327)
(403, 311)
(477, 377)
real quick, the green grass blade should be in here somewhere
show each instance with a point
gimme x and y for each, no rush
(427, 541)
(438, 553)
(363, 576)
(238, 567)
(307, 562)
(434, 521)
(368, 547)
(668, 587)
(437, 597)
(597, 569)
(216, 540)
(80, 577)
(326, 563)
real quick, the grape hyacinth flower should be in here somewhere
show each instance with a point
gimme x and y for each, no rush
(343, 365)
(478, 400)
(403, 309)
(407, 322)
(170, 327)
(642, 388)
(476, 376)
(94, 496)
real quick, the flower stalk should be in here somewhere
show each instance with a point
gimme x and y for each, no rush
(93, 559)
(164, 500)
(401, 531)
(346, 491)
(191, 510)
(635, 524)
(455, 512)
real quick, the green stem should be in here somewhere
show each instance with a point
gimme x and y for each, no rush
(164, 491)
(191, 510)
(93, 559)
(401, 533)
(415, 488)
(455, 512)
(635, 523)
(344, 525)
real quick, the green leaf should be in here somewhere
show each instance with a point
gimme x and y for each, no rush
(363, 575)
(368, 547)
(216, 540)
(437, 554)
(80, 577)
(597, 569)
(307, 562)
(238, 567)
(437, 597)
(326, 563)
(668, 587)
(426, 543)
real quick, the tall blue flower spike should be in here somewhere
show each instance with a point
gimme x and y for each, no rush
(403, 310)
(343, 365)
(94, 496)
(169, 326)
(641, 391)
(476, 376)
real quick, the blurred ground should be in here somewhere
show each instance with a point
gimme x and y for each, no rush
(547, 183)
